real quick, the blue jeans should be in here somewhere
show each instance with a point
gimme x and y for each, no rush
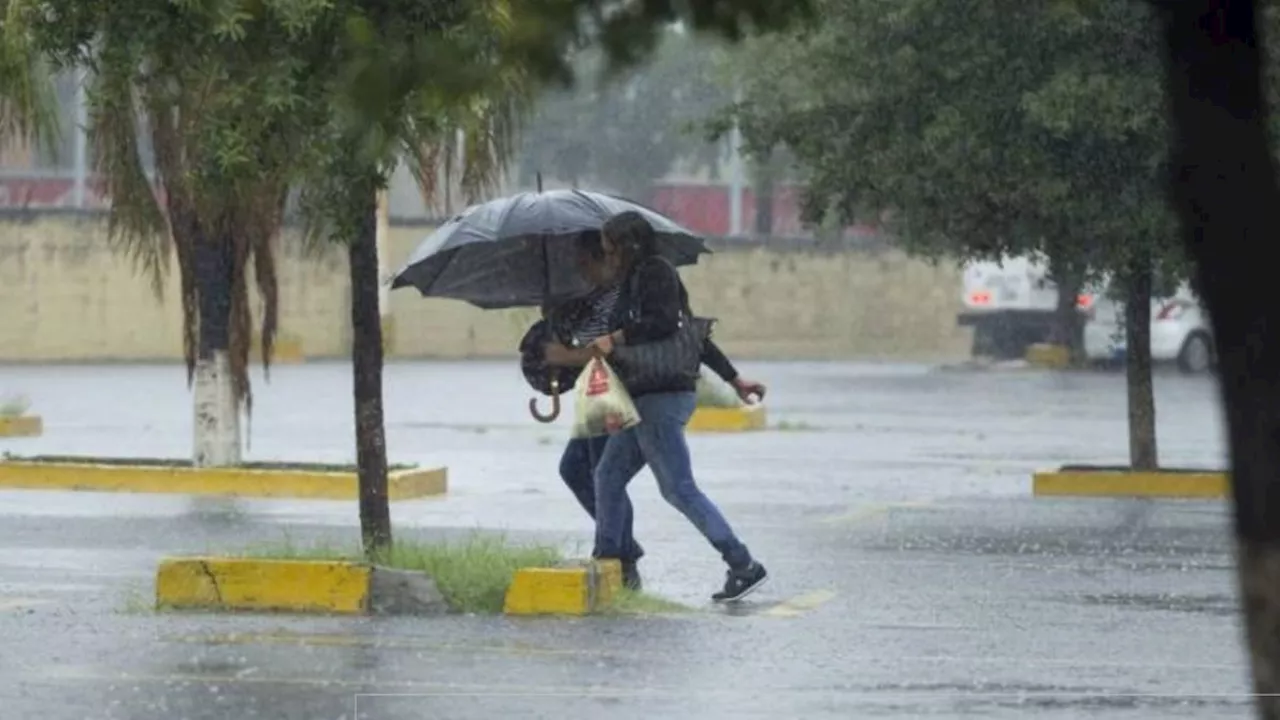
(659, 441)
(577, 467)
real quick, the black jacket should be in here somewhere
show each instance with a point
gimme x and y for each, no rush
(650, 308)
(649, 296)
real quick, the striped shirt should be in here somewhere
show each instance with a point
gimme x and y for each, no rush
(597, 320)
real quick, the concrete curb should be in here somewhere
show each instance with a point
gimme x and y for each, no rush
(575, 588)
(301, 586)
(716, 419)
(1123, 483)
(22, 426)
(235, 482)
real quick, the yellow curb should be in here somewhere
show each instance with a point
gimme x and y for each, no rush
(716, 419)
(21, 426)
(234, 482)
(1045, 355)
(324, 586)
(287, 350)
(1114, 483)
(570, 590)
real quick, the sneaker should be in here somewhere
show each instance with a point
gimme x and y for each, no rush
(741, 583)
(631, 577)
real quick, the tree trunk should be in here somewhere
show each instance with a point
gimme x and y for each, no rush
(1137, 330)
(1068, 324)
(1068, 277)
(366, 359)
(1224, 183)
(217, 416)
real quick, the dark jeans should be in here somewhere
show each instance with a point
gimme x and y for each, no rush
(659, 441)
(577, 469)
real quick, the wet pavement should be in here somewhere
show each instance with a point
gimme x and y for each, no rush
(912, 573)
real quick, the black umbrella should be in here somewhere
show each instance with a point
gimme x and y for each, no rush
(518, 251)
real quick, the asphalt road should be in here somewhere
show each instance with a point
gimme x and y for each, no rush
(913, 575)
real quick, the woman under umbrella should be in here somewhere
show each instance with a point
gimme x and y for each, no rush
(575, 325)
(653, 306)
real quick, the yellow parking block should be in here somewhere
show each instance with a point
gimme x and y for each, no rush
(1121, 483)
(21, 426)
(1048, 356)
(214, 583)
(717, 419)
(578, 589)
(257, 481)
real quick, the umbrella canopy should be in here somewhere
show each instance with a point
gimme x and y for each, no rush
(519, 250)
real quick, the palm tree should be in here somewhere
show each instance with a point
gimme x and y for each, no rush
(223, 106)
(28, 107)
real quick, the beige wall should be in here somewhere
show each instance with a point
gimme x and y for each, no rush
(67, 297)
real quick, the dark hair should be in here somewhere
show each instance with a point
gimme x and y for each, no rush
(633, 235)
(589, 244)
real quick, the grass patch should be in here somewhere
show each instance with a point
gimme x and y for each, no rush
(630, 602)
(287, 549)
(473, 574)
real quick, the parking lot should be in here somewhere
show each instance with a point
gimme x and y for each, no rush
(913, 575)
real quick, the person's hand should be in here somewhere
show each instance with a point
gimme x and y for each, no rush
(747, 388)
(604, 344)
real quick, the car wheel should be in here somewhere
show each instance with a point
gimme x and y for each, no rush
(1196, 355)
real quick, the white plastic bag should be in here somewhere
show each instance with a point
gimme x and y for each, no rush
(603, 405)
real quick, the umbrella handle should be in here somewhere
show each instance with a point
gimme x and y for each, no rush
(555, 405)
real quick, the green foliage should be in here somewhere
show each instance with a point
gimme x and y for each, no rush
(245, 99)
(26, 86)
(473, 573)
(410, 90)
(975, 129)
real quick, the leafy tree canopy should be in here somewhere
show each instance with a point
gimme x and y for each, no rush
(975, 129)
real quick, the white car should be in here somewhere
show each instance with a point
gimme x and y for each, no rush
(1180, 332)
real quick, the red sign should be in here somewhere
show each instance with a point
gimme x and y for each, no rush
(598, 380)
